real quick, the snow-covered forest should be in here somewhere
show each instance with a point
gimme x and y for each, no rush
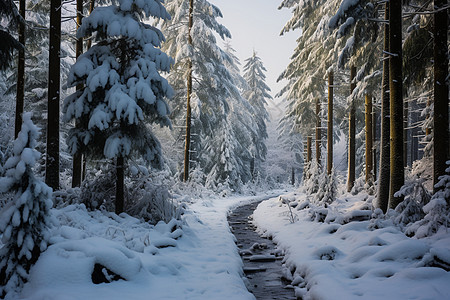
(131, 129)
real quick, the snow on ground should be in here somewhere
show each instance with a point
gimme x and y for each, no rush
(192, 259)
(338, 259)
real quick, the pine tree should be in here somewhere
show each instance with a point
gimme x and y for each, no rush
(24, 221)
(12, 18)
(257, 95)
(396, 101)
(123, 90)
(215, 95)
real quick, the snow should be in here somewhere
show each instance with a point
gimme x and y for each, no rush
(340, 260)
(195, 258)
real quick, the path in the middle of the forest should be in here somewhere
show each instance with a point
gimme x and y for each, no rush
(262, 260)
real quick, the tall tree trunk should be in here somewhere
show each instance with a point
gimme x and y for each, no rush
(293, 176)
(351, 135)
(52, 159)
(369, 138)
(91, 8)
(405, 133)
(20, 73)
(308, 149)
(374, 139)
(318, 132)
(385, 163)
(428, 129)
(187, 145)
(77, 163)
(441, 143)
(119, 184)
(396, 105)
(330, 124)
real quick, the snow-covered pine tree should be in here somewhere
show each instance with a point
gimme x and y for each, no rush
(257, 95)
(122, 88)
(24, 221)
(213, 86)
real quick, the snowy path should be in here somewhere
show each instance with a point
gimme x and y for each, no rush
(262, 260)
(200, 261)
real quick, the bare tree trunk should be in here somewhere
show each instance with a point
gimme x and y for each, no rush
(308, 149)
(293, 176)
(385, 163)
(52, 159)
(351, 135)
(318, 131)
(441, 143)
(374, 139)
(396, 105)
(330, 124)
(428, 129)
(189, 92)
(77, 163)
(20, 73)
(368, 130)
(119, 185)
(405, 134)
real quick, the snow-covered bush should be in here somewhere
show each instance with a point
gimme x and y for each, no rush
(416, 196)
(24, 222)
(312, 178)
(152, 201)
(327, 188)
(437, 211)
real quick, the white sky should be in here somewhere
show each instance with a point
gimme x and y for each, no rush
(256, 24)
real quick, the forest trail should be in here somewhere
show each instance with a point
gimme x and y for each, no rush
(262, 260)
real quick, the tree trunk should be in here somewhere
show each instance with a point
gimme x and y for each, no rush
(20, 73)
(119, 185)
(318, 132)
(330, 124)
(405, 134)
(91, 8)
(369, 138)
(187, 145)
(52, 159)
(384, 173)
(396, 97)
(293, 176)
(252, 168)
(308, 149)
(374, 139)
(428, 129)
(351, 135)
(441, 143)
(77, 166)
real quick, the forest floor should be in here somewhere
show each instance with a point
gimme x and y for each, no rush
(330, 253)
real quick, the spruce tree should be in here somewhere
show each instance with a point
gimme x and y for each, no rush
(123, 89)
(24, 221)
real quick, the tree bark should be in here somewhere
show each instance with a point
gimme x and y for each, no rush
(91, 8)
(330, 124)
(187, 145)
(441, 100)
(369, 138)
(20, 73)
(77, 163)
(119, 185)
(384, 173)
(405, 133)
(374, 139)
(52, 159)
(318, 132)
(396, 101)
(351, 135)
(308, 149)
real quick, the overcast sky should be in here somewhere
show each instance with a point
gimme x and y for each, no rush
(256, 24)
